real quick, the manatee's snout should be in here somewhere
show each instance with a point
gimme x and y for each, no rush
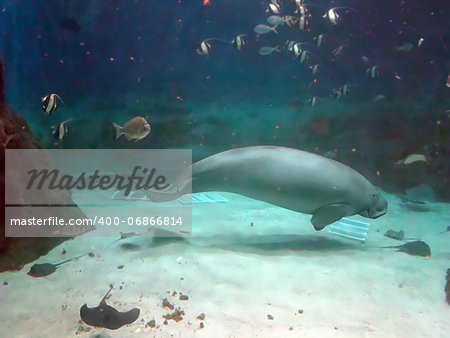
(378, 209)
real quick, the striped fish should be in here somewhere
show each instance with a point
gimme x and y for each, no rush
(50, 103)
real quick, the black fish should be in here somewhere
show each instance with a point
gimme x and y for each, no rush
(106, 316)
(45, 269)
(416, 248)
(50, 104)
(71, 24)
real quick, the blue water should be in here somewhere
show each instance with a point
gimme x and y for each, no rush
(110, 61)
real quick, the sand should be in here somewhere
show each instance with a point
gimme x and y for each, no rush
(311, 284)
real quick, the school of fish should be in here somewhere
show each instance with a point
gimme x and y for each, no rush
(313, 51)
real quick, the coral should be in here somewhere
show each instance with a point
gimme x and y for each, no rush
(15, 134)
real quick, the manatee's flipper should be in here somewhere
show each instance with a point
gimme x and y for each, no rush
(329, 214)
(162, 196)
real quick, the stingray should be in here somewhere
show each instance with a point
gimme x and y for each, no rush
(124, 235)
(45, 269)
(106, 316)
(416, 248)
(398, 235)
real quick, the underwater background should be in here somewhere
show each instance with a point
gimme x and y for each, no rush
(110, 61)
(366, 83)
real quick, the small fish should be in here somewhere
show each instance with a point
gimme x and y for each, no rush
(448, 81)
(365, 59)
(314, 69)
(342, 91)
(406, 47)
(345, 90)
(302, 10)
(290, 21)
(304, 56)
(320, 40)
(373, 71)
(275, 8)
(420, 42)
(337, 94)
(303, 23)
(290, 45)
(206, 3)
(135, 129)
(412, 158)
(276, 20)
(333, 16)
(205, 48)
(268, 50)
(296, 49)
(313, 101)
(378, 98)
(238, 42)
(338, 50)
(62, 130)
(264, 29)
(50, 103)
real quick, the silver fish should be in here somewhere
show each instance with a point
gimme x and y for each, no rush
(135, 129)
(275, 20)
(264, 29)
(406, 47)
(268, 50)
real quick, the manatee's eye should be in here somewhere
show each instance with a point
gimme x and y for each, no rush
(374, 195)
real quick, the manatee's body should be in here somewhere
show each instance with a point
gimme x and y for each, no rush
(286, 177)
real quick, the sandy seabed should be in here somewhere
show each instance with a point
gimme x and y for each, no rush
(254, 270)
